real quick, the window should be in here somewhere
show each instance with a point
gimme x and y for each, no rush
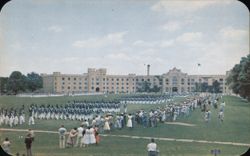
(62, 87)
(68, 78)
(182, 81)
(97, 83)
(148, 79)
(63, 78)
(74, 87)
(74, 78)
(80, 88)
(80, 83)
(127, 79)
(122, 79)
(117, 79)
(174, 80)
(103, 79)
(68, 87)
(142, 79)
(63, 83)
(127, 83)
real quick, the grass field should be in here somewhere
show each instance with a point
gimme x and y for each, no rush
(236, 128)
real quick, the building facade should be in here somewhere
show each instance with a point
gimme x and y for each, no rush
(97, 81)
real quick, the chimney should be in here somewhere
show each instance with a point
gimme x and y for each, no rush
(148, 68)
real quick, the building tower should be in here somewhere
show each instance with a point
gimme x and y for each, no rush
(148, 69)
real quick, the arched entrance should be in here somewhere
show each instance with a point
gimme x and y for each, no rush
(97, 89)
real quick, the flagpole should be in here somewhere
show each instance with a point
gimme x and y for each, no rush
(199, 84)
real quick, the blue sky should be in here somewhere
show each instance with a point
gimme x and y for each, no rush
(70, 36)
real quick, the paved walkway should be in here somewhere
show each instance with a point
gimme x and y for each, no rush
(141, 137)
(180, 123)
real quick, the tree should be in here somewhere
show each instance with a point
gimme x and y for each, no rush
(144, 86)
(34, 81)
(239, 78)
(3, 85)
(215, 87)
(16, 82)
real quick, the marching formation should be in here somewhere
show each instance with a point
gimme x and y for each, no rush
(76, 110)
(12, 117)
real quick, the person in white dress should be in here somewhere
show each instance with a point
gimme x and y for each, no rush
(129, 123)
(106, 124)
(89, 136)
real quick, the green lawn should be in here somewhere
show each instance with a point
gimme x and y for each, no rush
(236, 128)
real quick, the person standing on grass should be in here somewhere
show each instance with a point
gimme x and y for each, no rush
(28, 142)
(6, 145)
(79, 135)
(62, 132)
(71, 137)
(221, 116)
(129, 123)
(222, 106)
(32, 134)
(152, 148)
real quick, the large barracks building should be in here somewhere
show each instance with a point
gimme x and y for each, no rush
(97, 80)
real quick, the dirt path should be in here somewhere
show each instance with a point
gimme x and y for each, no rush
(141, 137)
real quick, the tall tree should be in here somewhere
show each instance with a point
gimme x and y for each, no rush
(16, 82)
(34, 81)
(239, 78)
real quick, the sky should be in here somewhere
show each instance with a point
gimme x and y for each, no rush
(46, 36)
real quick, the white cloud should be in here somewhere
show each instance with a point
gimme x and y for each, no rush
(174, 25)
(55, 28)
(110, 39)
(189, 37)
(230, 33)
(154, 44)
(183, 6)
(171, 26)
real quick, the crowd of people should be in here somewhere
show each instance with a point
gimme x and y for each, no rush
(105, 117)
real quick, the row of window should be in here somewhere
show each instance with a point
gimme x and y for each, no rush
(105, 79)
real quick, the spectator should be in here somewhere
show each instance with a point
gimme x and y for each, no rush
(152, 148)
(6, 145)
(28, 142)
(62, 132)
